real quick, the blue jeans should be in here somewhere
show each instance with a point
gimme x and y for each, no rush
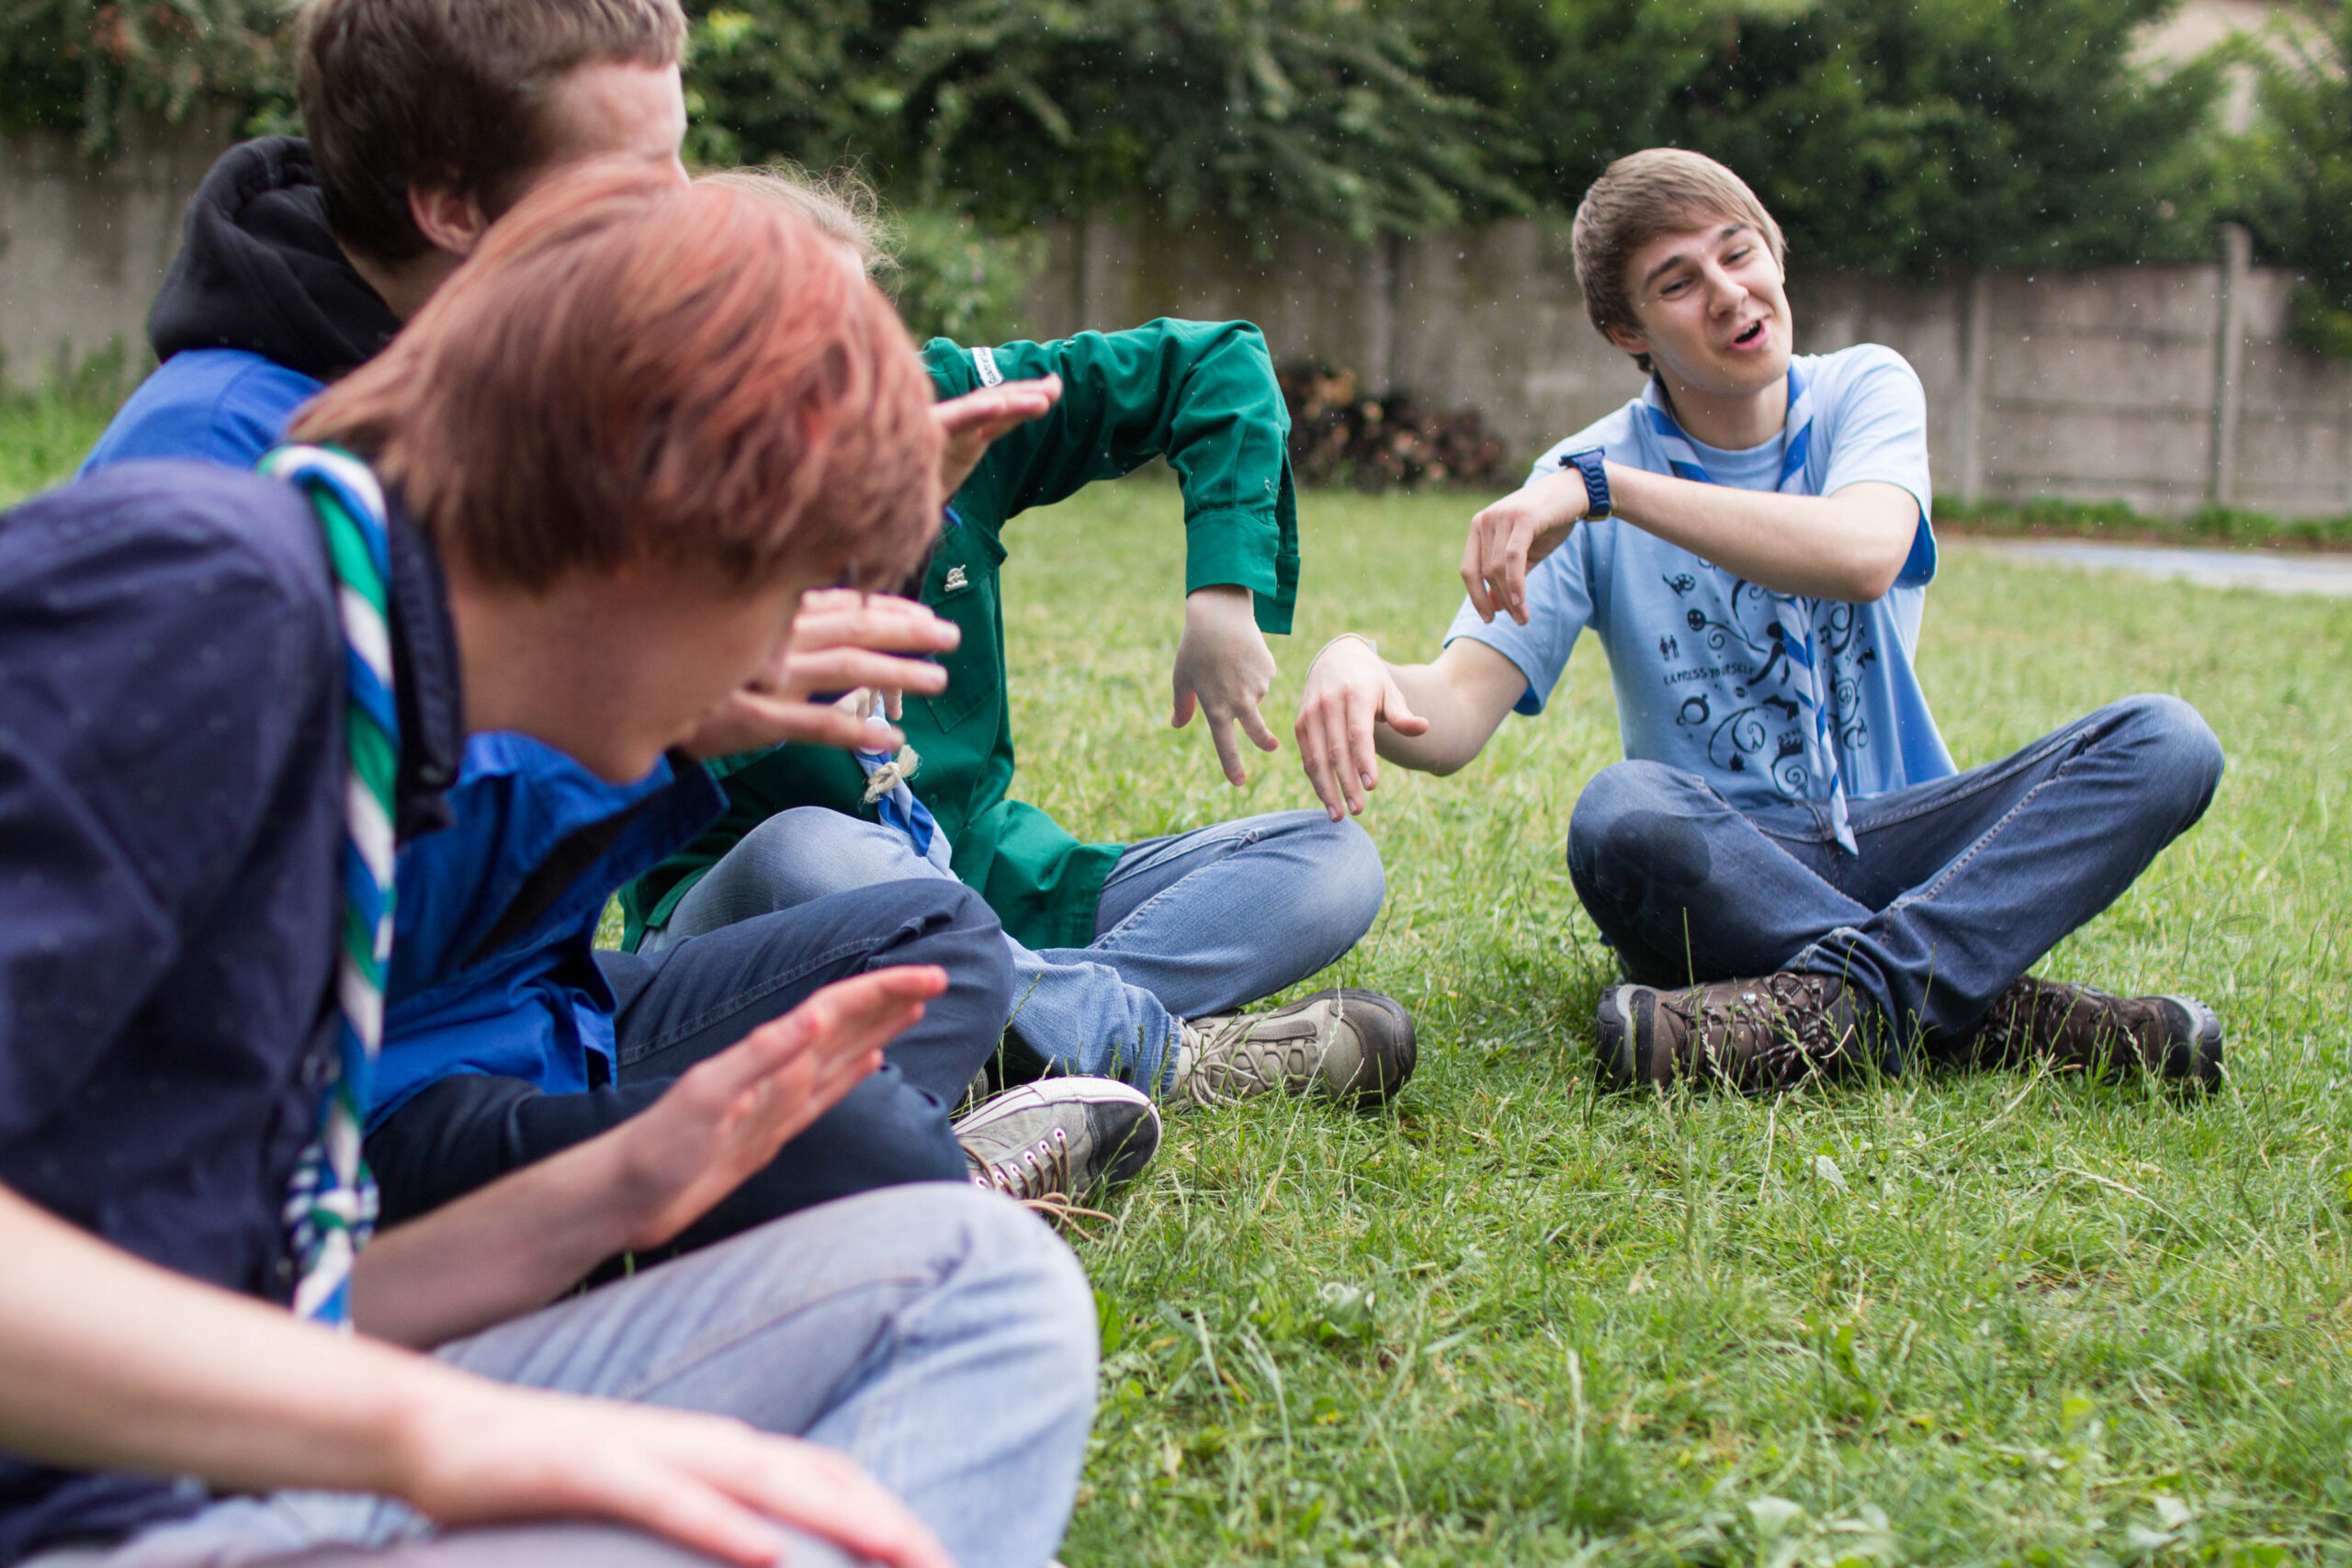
(700, 997)
(939, 1334)
(1193, 924)
(1961, 885)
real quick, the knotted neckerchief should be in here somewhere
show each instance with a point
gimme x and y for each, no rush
(1817, 691)
(893, 802)
(331, 1203)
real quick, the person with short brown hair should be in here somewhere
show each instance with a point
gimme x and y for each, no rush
(509, 1038)
(250, 686)
(1794, 875)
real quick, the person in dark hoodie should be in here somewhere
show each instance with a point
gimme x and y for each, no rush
(508, 1038)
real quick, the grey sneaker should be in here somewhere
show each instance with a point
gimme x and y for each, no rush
(1354, 1046)
(1058, 1141)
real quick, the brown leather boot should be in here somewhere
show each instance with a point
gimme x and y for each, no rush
(2079, 1029)
(1751, 1034)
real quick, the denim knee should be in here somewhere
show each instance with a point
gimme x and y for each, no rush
(2183, 756)
(1617, 801)
(1343, 898)
(1034, 1279)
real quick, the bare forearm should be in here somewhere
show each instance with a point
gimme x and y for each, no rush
(1849, 546)
(1458, 728)
(109, 1363)
(509, 1249)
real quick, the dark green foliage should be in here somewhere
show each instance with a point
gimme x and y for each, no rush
(1932, 135)
(1884, 134)
(954, 281)
(1253, 109)
(79, 64)
(2298, 172)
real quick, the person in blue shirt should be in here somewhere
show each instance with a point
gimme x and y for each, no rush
(1794, 873)
(508, 1036)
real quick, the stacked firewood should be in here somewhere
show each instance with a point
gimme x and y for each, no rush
(1340, 437)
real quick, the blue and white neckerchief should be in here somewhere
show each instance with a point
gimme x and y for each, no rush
(893, 801)
(1817, 693)
(331, 1203)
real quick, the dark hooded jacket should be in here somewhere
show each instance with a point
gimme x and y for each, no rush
(259, 311)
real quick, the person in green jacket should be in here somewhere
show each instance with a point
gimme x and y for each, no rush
(1131, 961)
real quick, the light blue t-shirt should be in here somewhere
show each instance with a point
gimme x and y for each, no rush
(1694, 652)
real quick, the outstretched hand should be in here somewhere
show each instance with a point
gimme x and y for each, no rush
(1348, 689)
(1225, 669)
(724, 1119)
(1513, 535)
(840, 640)
(971, 422)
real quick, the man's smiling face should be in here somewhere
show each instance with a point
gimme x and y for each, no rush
(1713, 309)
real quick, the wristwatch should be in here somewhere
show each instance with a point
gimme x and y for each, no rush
(1592, 464)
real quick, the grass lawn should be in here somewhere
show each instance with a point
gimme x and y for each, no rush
(1940, 1320)
(1944, 1320)
(44, 435)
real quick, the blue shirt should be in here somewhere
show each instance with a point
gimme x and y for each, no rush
(219, 405)
(496, 918)
(1699, 681)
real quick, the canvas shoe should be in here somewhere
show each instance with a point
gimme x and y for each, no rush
(1057, 1142)
(1750, 1035)
(2079, 1029)
(1354, 1046)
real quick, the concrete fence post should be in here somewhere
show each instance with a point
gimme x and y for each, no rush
(1976, 366)
(2228, 362)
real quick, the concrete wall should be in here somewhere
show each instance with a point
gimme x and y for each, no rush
(2125, 384)
(2117, 384)
(84, 241)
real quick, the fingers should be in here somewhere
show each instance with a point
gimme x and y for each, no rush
(1398, 713)
(1362, 754)
(1308, 732)
(1474, 568)
(1253, 724)
(883, 622)
(1185, 701)
(1005, 405)
(835, 669)
(1228, 751)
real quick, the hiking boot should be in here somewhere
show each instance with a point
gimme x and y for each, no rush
(1055, 1143)
(1762, 1033)
(1354, 1046)
(2078, 1029)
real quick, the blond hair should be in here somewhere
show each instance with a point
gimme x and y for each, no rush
(841, 206)
(1640, 196)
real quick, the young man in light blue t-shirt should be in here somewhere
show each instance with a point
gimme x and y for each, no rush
(1794, 875)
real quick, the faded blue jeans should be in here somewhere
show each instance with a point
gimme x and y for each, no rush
(1192, 924)
(940, 1335)
(1961, 885)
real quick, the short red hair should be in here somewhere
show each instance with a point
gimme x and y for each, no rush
(631, 367)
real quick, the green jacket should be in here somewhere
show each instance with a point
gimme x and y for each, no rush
(1203, 395)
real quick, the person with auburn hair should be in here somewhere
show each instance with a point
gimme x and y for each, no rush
(1792, 872)
(508, 1036)
(588, 525)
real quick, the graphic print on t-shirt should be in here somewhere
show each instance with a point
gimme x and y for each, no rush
(1733, 687)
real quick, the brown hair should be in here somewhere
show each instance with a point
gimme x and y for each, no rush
(1640, 196)
(841, 206)
(629, 368)
(447, 92)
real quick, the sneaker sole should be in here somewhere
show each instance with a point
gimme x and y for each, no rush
(2197, 1059)
(1617, 1033)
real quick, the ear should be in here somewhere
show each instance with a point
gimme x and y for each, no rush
(1629, 340)
(451, 220)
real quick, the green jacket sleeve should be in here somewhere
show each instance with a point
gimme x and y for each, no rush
(1202, 394)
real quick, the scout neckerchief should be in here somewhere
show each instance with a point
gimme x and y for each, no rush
(1816, 688)
(331, 1203)
(886, 776)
